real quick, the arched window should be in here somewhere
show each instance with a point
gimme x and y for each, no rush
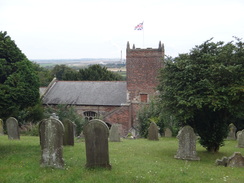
(89, 115)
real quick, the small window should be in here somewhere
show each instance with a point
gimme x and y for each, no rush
(89, 115)
(143, 98)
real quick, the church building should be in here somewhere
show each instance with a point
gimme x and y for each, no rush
(113, 101)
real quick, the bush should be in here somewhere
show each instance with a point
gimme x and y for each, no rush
(146, 115)
(66, 111)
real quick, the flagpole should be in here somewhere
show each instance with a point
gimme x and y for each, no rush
(143, 34)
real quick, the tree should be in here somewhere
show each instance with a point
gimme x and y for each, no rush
(19, 85)
(44, 75)
(205, 89)
(98, 73)
(63, 72)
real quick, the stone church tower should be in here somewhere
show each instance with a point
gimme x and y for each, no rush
(142, 67)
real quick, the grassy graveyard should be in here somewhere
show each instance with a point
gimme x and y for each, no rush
(132, 161)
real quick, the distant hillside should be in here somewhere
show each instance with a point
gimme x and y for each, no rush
(78, 62)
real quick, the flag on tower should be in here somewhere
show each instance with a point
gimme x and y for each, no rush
(139, 26)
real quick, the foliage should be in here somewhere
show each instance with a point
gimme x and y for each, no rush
(32, 131)
(92, 73)
(44, 74)
(31, 114)
(63, 72)
(98, 73)
(205, 89)
(134, 161)
(153, 113)
(65, 111)
(147, 114)
(19, 85)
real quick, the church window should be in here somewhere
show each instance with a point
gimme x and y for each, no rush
(89, 115)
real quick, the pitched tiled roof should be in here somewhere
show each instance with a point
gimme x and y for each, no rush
(86, 93)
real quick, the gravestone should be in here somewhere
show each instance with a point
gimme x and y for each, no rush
(187, 144)
(232, 132)
(12, 129)
(51, 132)
(240, 141)
(1, 127)
(68, 132)
(168, 132)
(96, 134)
(153, 131)
(237, 134)
(236, 160)
(114, 135)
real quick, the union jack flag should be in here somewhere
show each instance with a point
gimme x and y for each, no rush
(139, 26)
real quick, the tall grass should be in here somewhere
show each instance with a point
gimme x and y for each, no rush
(132, 161)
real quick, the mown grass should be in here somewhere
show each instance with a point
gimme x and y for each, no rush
(132, 161)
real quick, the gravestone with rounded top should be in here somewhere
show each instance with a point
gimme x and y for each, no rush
(240, 139)
(1, 127)
(187, 144)
(96, 134)
(68, 132)
(168, 132)
(51, 132)
(153, 131)
(232, 132)
(114, 135)
(12, 128)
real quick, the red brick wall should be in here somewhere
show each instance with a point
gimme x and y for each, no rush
(110, 114)
(142, 67)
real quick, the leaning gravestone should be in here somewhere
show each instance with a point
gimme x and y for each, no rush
(187, 144)
(114, 135)
(153, 131)
(96, 139)
(232, 132)
(168, 132)
(240, 139)
(68, 132)
(1, 127)
(12, 128)
(51, 137)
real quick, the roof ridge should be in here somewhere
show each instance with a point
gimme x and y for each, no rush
(88, 81)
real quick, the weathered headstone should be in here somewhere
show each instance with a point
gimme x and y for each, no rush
(114, 135)
(153, 131)
(51, 132)
(96, 139)
(1, 127)
(68, 132)
(232, 132)
(236, 160)
(237, 134)
(12, 128)
(168, 132)
(240, 139)
(187, 144)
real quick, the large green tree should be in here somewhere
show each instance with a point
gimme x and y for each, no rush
(98, 73)
(205, 89)
(19, 85)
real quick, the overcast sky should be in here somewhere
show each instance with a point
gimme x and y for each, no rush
(68, 29)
